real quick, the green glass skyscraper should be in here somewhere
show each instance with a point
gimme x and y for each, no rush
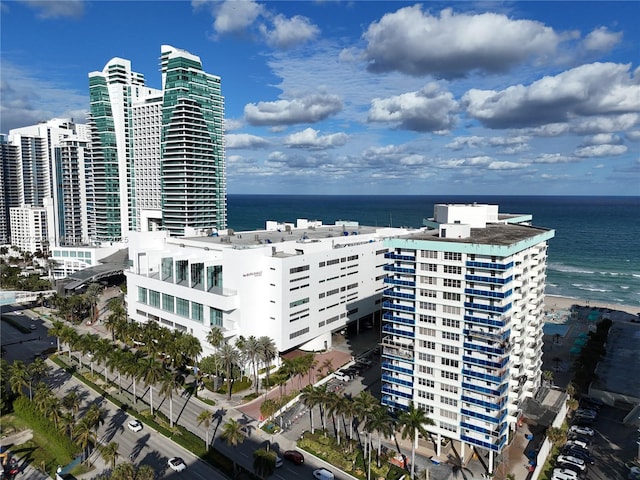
(157, 156)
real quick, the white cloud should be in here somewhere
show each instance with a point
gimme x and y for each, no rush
(244, 140)
(289, 32)
(514, 142)
(27, 99)
(427, 110)
(505, 165)
(56, 8)
(552, 158)
(592, 89)
(633, 135)
(231, 124)
(452, 45)
(233, 16)
(602, 139)
(601, 150)
(611, 123)
(309, 138)
(309, 109)
(601, 40)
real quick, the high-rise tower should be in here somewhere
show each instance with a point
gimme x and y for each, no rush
(462, 322)
(157, 156)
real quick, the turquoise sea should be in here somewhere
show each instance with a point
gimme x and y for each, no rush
(595, 254)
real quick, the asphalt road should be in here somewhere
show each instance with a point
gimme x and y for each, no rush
(146, 447)
(23, 346)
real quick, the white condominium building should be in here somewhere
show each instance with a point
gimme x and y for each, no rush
(294, 283)
(462, 322)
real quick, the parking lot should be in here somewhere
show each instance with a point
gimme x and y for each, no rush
(613, 443)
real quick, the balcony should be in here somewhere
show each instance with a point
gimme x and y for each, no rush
(391, 293)
(401, 283)
(396, 393)
(489, 265)
(402, 354)
(499, 379)
(396, 368)
(489, 280)
(398, 269)
(484, 390)
(396, 380)
(495, 447)
(487, 308)
(397, 256)
(398, 306)
(395, 319)
(487, 293)
(395, 331)
(390, 402)
(482, 403)
(503, 349)
(486, 321)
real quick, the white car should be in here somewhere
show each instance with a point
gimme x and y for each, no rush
(569, 460)
(577, 443)
(564, 472)
(343, 377)
(177, 464)
(134, 425)
(323, 474)
(581, 430)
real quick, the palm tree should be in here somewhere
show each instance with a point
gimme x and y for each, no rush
(145, 472)
(327, 365)
(116, 319)
(131, 366)
(412, 422)
(67, 422)
(70, 337)
(230, 357)
(83, 434)
(382, 423)
(101, 353)
(95, 416)
(42, 397)
(350, 410)
(36, 371)
(556, 435)
(251, 351)
(309, 398)
(169, 384)
(152, 372)
(57, 330)
(117, 361)
(547, 377)
(92, 295)
(233, 435)
(264, 462)
(215, 337)
(322, 393)
(204, 418)
(268, 353)
(71, 401)
(19, 377)
(110, 453)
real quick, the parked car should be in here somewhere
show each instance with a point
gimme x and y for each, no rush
(564, 472)
(581, 454)
(342, 376)
(581, 430)
(586, 412)
(294, 456)
(573, 437)
(323, 474)
(577, 443)
(571, 461)
(177, 464)
(563, 475)
(134, 425)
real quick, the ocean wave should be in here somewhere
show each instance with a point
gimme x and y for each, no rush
(624, 287)
(589, 288)
(567, 268)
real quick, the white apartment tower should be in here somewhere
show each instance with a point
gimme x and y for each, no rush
(462, 322)
(47, 162)
(157, 155)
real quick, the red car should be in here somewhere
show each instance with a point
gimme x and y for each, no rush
(294, 456)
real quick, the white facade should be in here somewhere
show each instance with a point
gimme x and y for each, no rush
(462, 322)
(69, 260)
(29, 228)
(295, 285)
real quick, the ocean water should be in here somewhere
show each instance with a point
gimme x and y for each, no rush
(594, 256)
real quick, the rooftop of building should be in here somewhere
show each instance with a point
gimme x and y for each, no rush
(347, 232)
(492, 234)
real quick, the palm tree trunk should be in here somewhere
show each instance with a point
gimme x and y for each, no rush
(413, 451)
(151, 398)
(311, 418)
(171, 410)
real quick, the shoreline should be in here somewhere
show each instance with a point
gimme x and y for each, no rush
(565, 303)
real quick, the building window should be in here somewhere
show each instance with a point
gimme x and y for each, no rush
(428, 254)
(449, 362)
(426, 357)
(427, 306)
(154, 298)
(451, 309)
(297, 303)
(182, 307)
(425, 344)
(450, 349)
(449, 322)
(450, 282)
(167, 269)
(196, 311)
(428, 280)
(298, 333)
(426, 383)
(142, 295)
(428, 332)
(426, 395)
(428, 293)
(449, 375)
(453, 269)
(453, 256)
(451, 296)
(182, 268)
(215, 317)
(197, 276)
(214, 277)
(429, 267)
(168, 303)
(302, 268)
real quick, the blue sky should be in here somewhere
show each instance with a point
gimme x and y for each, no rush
(332, 97)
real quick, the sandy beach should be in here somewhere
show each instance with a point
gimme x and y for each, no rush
(553, 302)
